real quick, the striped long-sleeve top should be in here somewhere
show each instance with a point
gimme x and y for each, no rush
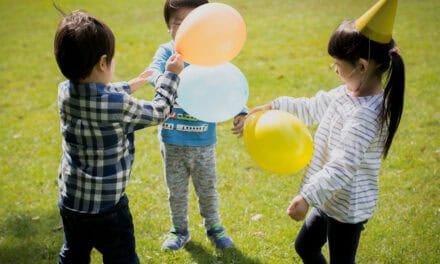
(342, 177)
(97, 126)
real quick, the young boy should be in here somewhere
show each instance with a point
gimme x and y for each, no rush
(98, 120)
(188, 148)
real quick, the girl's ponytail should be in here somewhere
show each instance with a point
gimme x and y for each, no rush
(393, 97)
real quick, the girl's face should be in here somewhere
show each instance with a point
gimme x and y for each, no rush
(344, 70)
(356, 77)
(350, 74)
(176, 20)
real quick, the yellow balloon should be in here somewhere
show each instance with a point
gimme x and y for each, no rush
(278, 141)
(211, 34)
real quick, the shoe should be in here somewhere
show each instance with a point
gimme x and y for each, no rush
(218, 237)
(177, 239)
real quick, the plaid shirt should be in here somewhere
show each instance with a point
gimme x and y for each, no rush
(97, 126)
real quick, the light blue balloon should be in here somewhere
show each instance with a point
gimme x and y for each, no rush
(212, 93)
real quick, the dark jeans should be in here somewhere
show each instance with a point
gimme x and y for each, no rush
(318, 228)
(111, 233)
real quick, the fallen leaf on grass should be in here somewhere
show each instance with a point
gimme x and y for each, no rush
(228, 185)
(257, 217)
(57, 228)
(259, 234)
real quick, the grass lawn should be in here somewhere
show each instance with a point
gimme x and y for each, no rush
(285, 54)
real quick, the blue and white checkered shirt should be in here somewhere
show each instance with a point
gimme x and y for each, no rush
(97, 126)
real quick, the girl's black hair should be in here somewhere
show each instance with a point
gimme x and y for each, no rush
(347, 44)
(171, 6)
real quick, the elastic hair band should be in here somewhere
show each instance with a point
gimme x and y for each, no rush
(393, 50)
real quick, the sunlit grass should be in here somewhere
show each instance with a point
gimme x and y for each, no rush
(285, 54)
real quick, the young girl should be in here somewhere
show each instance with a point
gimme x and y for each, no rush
(188, 148)
(357, 123)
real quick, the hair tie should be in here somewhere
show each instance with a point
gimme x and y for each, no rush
(394, 50)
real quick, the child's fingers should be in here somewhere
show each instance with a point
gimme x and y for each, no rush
(175, 57)
(239, 120)
(290, 210)
(237, 132)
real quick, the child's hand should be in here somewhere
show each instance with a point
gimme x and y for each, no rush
(138, 81)
(298, 208)
(240, 119)
(238, 125)
(175, 63)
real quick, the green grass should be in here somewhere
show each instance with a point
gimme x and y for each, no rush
(285, 54)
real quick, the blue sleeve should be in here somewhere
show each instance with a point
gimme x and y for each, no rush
(244, 111)
(159, 62)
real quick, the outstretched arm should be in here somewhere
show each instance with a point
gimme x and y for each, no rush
(173, 64)
(138, 81)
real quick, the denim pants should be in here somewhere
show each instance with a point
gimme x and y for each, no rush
(111, 233)
(318, 228)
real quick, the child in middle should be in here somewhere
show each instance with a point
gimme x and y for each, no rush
(188, 148)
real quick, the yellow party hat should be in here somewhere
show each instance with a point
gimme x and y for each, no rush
(377, 23)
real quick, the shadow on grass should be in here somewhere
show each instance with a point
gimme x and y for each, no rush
(30, 238)
(200, 255)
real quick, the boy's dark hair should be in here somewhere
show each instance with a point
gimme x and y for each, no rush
(171, 6)
(347, 44)
(80, 41)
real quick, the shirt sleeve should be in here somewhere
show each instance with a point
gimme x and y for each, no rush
(138, 113)
(159, 63)
(357, 135)
(309, 110)
(244, 111)
(120, 87)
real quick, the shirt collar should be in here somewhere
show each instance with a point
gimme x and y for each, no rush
(87, 89)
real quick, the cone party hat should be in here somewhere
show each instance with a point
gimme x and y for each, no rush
(377, 23)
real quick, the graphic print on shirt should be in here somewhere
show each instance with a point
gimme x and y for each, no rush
(181, 127)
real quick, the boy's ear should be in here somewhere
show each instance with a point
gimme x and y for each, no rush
(102, 64)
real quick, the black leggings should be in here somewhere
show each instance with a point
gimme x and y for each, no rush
(318, 228)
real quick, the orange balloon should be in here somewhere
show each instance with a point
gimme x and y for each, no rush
(211, 34)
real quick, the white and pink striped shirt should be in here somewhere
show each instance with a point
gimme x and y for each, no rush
(342, 177)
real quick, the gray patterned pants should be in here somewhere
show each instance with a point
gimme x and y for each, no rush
(181, 162)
